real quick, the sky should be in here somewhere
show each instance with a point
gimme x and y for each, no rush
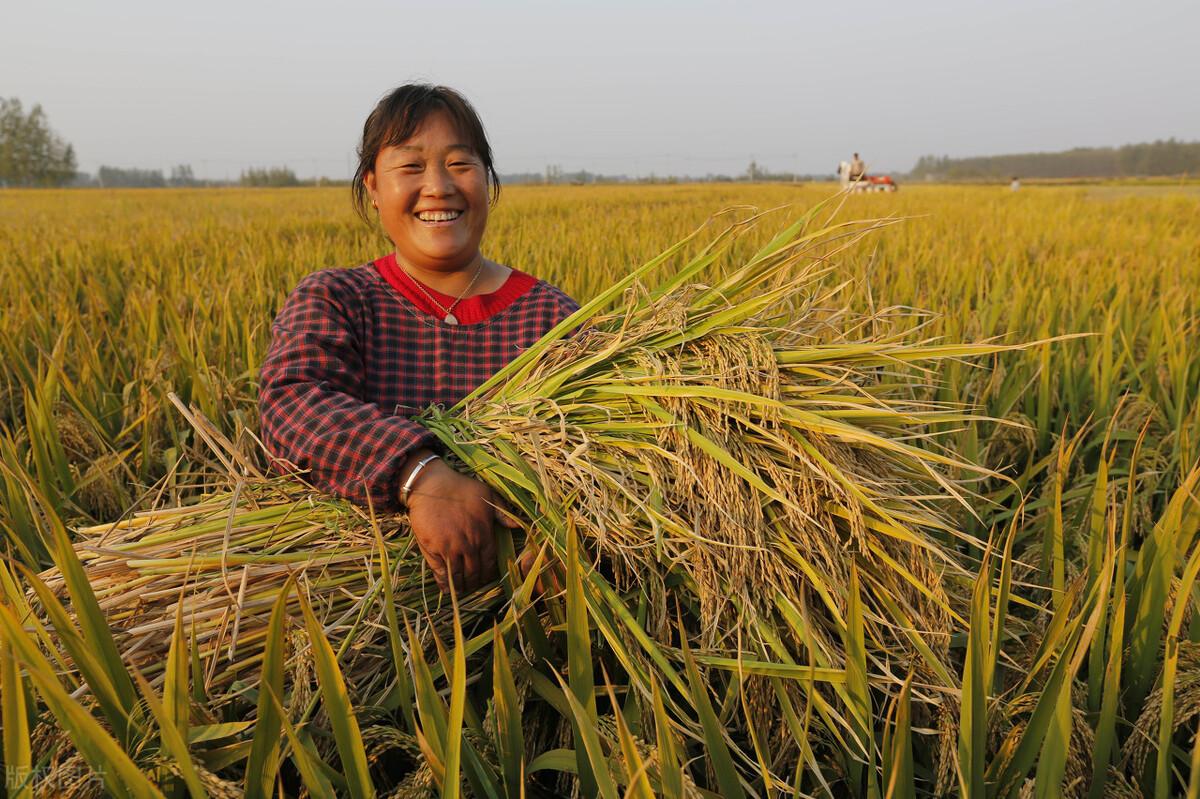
(654, 86)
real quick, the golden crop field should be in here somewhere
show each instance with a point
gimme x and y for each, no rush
(1073, 665)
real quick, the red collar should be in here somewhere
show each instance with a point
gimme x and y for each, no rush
(468, 311)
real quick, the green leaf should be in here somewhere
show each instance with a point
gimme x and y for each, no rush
(96, 672)
(92, 623)
(670, 769)
(510, 737)
(263, 763)
(1052, 762)
(1166, 726)
(973, 723)
(431, 710)
(122, 778)
(1106, 723)
(1150, 582)
(458, 698)
(594, 756)
(899, 779)
(337, 707)
(554, 760)
(175, 684)
(579, 665)
(173, 742)
(858, 689)
(307, 762)
(636, 778)
(404, 688)
(714, 735)
(17, 755)
(203, 733)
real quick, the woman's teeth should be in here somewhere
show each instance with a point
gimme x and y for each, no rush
(438, 216)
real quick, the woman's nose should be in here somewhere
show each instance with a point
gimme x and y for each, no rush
(439, 181)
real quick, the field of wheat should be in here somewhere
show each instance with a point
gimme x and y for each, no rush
(1041, 347)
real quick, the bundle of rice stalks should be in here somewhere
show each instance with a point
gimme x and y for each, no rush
(736, 482)
(753, 468)
(223, 561)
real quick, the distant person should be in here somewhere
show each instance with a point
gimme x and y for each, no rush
(858, 170)
(1015, 185)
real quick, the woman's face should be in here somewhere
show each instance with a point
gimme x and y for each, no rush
(432, 196)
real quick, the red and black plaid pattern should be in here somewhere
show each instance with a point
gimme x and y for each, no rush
(351, 359)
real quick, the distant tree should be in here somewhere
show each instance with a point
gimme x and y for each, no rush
(181, 175)
(274, 177)
(31, 154)
(1170, 157)
(117, 177)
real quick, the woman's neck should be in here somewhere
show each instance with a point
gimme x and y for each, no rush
(491, 276)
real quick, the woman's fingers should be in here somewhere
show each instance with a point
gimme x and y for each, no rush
(457, 572)
(458, 522)
(437, 564)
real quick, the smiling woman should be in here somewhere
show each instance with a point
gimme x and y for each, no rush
(355, 352)
(431, 194)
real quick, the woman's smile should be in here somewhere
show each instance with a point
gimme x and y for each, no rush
(439, 218)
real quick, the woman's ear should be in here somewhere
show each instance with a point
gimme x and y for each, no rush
(369, 182)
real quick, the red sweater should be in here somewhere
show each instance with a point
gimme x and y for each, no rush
(355, 352)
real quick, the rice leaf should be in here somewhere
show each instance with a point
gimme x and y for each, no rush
(594, 756)
(579, 668)
(307, 762)
(337, 707)
(670, 769)
(715, 745)
(173, 742)
(510, 737)
(1166, 726)
(858, 691)
(263, 762)
(18, 759)
(899, 778)
(175, 685)
(121, 776)
(973, 723)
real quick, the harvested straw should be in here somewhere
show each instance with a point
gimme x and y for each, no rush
(224, 560)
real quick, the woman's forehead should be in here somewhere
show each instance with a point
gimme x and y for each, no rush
(440, 123)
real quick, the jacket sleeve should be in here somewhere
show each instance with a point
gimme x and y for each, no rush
(311, 399)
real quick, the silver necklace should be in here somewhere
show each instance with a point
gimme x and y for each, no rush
(450, 318)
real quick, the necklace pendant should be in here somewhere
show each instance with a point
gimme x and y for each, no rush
(451, 319)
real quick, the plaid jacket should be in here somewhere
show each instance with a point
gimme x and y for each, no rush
(351, 358)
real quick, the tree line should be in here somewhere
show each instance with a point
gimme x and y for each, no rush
(31, 154)
(1149, 159)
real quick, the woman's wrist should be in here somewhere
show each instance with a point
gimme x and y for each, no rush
(414, 471)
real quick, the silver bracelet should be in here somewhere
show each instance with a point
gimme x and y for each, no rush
(412, 477)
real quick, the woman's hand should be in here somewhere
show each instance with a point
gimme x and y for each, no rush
(453, 520)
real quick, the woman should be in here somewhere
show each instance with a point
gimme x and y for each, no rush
(354, 352)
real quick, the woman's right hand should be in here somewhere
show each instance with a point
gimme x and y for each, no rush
(453, 519)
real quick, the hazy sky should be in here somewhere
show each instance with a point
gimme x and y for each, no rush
(614, 86)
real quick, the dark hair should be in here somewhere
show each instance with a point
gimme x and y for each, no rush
(396, 118)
